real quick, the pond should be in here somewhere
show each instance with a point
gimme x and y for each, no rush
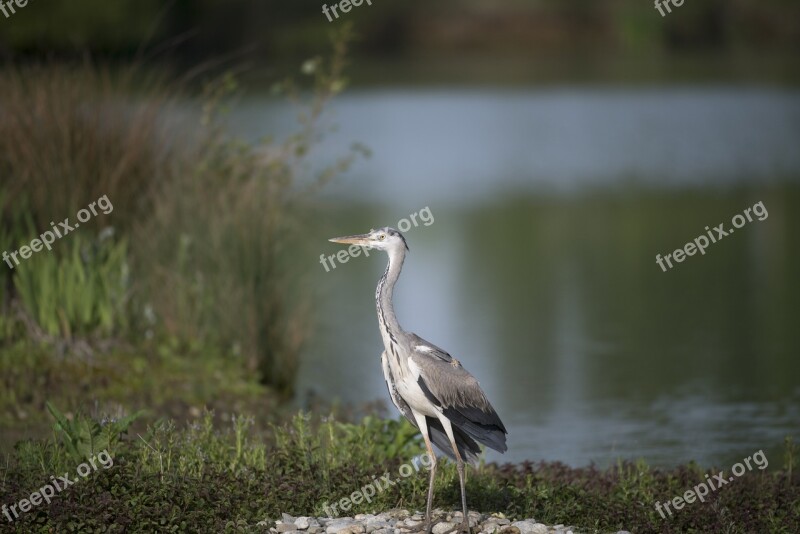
(538, 267)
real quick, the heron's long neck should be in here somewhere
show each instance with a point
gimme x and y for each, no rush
(383, 296)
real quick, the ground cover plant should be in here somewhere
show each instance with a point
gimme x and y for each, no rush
(202, 477)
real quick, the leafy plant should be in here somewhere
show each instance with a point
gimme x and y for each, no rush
(80, 292)
(84, 437)
(388, 438)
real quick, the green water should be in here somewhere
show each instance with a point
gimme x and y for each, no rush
(589, 350)
(539, 269)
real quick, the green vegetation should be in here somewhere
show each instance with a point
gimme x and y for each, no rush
(190, 269)
(395, 30)
(80, 293)
(148, 331)
(168, 378)
(196, 478)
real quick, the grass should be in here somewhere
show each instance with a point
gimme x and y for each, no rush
(195, 210)
(168, 377)
(223, 478)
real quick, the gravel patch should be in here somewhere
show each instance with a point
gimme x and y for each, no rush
(404, 522)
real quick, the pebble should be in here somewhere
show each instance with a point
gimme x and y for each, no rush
(441, 528)
(344, 526)
(401, 521)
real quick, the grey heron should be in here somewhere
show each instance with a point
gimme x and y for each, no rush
(429, 387)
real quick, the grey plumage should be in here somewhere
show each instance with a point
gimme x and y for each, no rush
(426, 384)
(449, 386)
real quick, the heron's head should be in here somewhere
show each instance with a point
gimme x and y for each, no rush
(385, 238)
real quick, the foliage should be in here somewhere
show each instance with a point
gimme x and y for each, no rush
(235, 220)
(398, 29)
(212, 217)
(82, 291)
(73, 133)
(169, 377)
(388, 438)
(205, 478)
(84, 437)
(66, 139)
(11, 232)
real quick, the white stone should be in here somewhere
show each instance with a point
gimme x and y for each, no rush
(344, 526)
(530, 527)
(441, 528)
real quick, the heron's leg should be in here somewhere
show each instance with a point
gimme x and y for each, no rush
(461, 478)
(428, 518)
(422, 423)
(448, 428)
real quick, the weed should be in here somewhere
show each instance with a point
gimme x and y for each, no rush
(84, 437)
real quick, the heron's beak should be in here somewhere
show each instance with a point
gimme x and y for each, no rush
(361, 239)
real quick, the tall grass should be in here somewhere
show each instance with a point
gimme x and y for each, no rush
(208, 219)
(72, 133)
(222, 235)
(79, 294)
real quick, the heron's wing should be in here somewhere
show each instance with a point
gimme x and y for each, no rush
(457, 393)
(466, 446)
(419, 344)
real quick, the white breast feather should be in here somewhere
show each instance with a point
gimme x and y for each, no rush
(414, 369)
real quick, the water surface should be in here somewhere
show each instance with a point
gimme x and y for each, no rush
(539, 271)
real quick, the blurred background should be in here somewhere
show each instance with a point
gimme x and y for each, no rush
(559, 145)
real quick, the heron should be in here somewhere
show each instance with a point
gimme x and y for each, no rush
(426, 384)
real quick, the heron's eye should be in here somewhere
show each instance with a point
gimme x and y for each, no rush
(382, 237)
